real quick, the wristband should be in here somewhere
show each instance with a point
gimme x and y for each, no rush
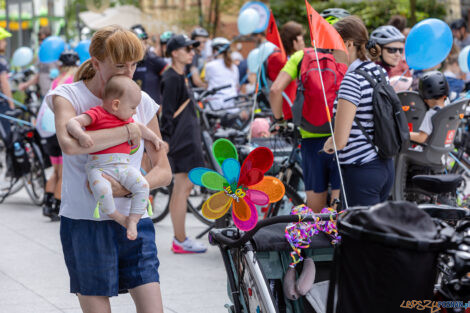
(281, 119)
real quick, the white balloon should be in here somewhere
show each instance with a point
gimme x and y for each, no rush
(248, 21)
(22, 57)
(463, 59)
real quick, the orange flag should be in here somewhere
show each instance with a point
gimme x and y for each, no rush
(272, 35)
(324, 35)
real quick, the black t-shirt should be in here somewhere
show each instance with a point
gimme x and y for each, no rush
(148, 73)
(3, 68)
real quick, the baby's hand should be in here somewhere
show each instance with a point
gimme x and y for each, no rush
(85, 141)
(157, 142)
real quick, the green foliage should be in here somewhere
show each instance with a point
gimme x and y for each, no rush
(374, 13)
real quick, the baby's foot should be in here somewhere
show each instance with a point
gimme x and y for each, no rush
(132, 221)
(119, 218)
(131, 229)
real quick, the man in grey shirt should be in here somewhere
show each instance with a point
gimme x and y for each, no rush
(459, 30)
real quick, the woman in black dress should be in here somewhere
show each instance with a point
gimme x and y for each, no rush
(180, 129)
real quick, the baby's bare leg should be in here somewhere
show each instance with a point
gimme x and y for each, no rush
(119, 218)
(131, 226)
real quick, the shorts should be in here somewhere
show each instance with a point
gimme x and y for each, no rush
(52, 147)
(101, 261)
(319, 169)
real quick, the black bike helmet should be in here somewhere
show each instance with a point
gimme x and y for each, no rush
(69, 58)
(433, 85)
(387, 34)
(199, 32)
(458, 24)
(139, 30)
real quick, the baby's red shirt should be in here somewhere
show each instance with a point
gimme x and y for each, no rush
(102, 119)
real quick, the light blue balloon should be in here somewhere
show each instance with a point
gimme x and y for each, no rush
(248, 21)
(464, 58)
(253, 61)
(22, 57)
(428, 44)
(48, 122)
(83, 50)
(266, 49)
(50, 49)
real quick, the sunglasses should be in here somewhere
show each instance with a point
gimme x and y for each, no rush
(188, 49)
(394, 50)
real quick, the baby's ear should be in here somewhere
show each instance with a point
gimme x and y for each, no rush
(115, 104)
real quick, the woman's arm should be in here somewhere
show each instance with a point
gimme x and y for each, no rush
(343, 123)
(275, 95)
(160, 175)
(420, 137)
(102, 139)
(6, 90)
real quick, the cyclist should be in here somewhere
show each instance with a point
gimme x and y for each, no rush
(459, 30)
(164, 38)
(149, 70)
(180, 129)
(392, 48)
(195, 68)
(5, 104)
(333, 15)
(319, 170)
(367, 178)
(222, 71)
(42, 78)
(68, 65)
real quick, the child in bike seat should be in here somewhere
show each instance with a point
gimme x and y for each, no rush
(120, 99)
(433, 88)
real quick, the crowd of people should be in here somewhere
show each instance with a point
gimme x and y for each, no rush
(107, 127)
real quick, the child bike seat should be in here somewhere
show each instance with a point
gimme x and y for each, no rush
(438, 184)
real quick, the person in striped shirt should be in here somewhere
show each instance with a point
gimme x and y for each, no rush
(367, 178)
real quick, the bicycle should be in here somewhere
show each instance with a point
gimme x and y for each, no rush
(28, 166)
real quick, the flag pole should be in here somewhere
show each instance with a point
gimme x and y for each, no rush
(331, 126)
(255, 101)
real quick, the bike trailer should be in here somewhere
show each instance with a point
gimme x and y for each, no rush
(387, 256)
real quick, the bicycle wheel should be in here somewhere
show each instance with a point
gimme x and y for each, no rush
(195, 203)
(35, 180)
(8, 184)
(160, 199)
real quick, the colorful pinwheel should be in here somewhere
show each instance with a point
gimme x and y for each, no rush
(241, 188)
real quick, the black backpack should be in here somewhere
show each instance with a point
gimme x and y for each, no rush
(391, 132)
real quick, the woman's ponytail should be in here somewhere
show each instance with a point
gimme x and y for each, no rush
(228, 59)
(85, 71)
(374, 49)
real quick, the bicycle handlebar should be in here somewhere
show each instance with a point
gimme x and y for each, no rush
(217, 237)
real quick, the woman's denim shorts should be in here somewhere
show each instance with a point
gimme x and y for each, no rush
(101, 260)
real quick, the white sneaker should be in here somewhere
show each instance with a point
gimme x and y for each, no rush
(188, 246)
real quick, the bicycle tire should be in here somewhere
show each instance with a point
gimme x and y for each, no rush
(196, 209)
(35, 180)
(161, 206)
(14, 184)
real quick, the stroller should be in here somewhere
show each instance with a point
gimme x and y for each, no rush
(256, 261)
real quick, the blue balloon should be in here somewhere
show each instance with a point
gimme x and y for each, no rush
(83, 50)
(248, 21)
(22, 57)
(50, 49)
(428, 44)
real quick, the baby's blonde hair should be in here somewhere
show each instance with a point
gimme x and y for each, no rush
(113, 41)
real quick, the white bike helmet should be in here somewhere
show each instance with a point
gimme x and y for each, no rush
(220, 43)
(387, 34)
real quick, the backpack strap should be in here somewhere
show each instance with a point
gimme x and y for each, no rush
(366, 76)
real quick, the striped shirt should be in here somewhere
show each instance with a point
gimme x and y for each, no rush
(357, 90)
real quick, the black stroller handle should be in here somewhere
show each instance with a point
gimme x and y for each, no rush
(217, 236)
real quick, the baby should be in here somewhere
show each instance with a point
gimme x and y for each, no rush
(120, 99)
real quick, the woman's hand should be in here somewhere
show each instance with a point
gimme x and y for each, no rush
(328, 146)
(118, 189)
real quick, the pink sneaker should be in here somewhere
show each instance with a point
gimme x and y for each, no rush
(188, 246)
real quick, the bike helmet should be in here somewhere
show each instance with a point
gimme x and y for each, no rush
(4, 33)
(387, 34)
(220, 44)
(199, 32)
(139, 30)
(433, 85)
(333, 15)
(165, 37)
(69, 58)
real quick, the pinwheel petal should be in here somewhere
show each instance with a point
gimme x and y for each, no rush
(271, 186)
(251, 177)
(216, 206)
(231, 170)
(224, 149)
(213, 181)
(261, 158)
(257, 197)
(241, 210)
(251, 222)
(195, 175)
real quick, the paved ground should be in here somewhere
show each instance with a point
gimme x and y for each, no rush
(33, 277)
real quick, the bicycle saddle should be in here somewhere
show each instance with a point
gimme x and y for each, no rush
(438, 184)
